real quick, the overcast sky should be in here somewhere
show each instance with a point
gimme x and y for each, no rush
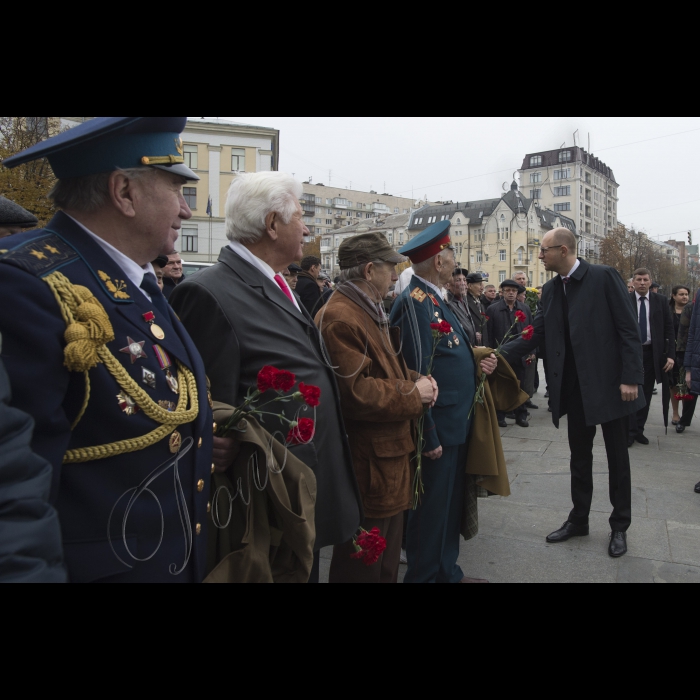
(468, 158)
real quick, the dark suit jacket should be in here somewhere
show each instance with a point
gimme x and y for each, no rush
(85, 494)
(241, 321)
(447, 424)
(604, 337)
(461, 312)
(501, 319)
(30, 535)
(310, 293)
(663, 334)
(477, 309)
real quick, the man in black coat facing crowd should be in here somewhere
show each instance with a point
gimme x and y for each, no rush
(595, 366)
(658, 345)
(308, 289)
(502, 315)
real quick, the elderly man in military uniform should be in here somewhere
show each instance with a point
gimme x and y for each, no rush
(14, 219)
(434, 527)
(96, 357)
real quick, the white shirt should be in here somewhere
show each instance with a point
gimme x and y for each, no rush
(639, 314)
(261, 265)
(131, 269)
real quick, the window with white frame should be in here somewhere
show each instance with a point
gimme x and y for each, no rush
(535, 178)
(191, 156)
(190, 240)
(238, 160)
(502, 255)
(535, 161)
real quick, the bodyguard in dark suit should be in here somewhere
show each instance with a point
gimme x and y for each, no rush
(30, 535)
(595, 369)
(658, 345)
(243, 316)
(115, 385)
(477, 308)
(434, 528)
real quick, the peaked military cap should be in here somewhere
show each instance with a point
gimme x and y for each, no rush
(429, 243)
(105, 144)
(12, 214)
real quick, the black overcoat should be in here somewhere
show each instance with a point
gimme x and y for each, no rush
(478, 311)
(604, 336)
(500, 322)
(663, 334)
(241, 321)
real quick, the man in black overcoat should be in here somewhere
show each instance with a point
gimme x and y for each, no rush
(502, 315)
(242, 316)
(595, 366)
(477, 309)
(308, 289)
(658, 345)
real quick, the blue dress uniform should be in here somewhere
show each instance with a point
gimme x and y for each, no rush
(117, 390)
(434, 528)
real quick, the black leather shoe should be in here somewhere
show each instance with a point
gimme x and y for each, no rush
(680, 429)
(532, 406)
(502, 424)
(630, 442)
(656, 392)
(618, 545)
(697, 489)
(522, 423)
(642, 440)
(550, 409)
(568, 530)
(546, 396)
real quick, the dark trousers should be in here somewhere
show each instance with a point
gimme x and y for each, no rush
(520, 413)
(345, 569)
(689, 412)
(581, 442)
(638, 422)
(434, 529)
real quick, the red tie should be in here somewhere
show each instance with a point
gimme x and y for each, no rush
(283, 286)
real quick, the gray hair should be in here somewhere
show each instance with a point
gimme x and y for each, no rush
(357, 272)
(253, 196)
(89, 193)
(425, 268)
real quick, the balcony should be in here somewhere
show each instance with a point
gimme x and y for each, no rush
(325, 248)
(532, 241)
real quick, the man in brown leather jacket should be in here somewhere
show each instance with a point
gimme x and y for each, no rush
(380, 400)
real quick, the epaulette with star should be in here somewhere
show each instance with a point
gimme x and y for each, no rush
(41, 255)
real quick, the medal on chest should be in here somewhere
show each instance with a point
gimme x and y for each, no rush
(158, 332)
(166, 365)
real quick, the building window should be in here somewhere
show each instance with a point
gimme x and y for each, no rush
(588, 195)
(329, 211)
(520, 256)
(329, 202)
(565, 206)
(368, 216)
(479, 257)
(588, 178)
(588, 212)
(562, 191)
(191, 156)
(396, 210)
(535, 161)
(238, 160)
(563, 174)
(535, 194)
(390, 238)
(535, 178)
(565, 157)
(190, 240)
(502, 276)
(502, 255)
(190, 195)
(588, 227)
(329, 222)
(319, 201)
(318, 221)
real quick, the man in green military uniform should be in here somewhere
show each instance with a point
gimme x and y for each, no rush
(98, 359)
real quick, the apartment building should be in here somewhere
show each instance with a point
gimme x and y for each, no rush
(328, 209)
(217, 151)
(496, 237)
(576, 184)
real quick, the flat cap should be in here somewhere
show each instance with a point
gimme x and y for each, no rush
(295, 269)
(460, 271)
(655, 285)
(105, 144)
(429, 243)
(511, 283)
(12, 214)
(475, 278)
(367, 248)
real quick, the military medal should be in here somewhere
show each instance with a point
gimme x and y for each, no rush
(435, 301)
(134, 349)
(166, 365)
(168, 406)
(149, 378)
(157, 331)
(456, 341)
(127, 404)
(449, 344)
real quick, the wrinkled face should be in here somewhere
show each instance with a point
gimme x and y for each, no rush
(476, 289)
(382, 276)
(292, 281)
(173, 269)
(160, 209)
(459, 285)
(448, 266)
(682, 298)
(290, 237)
(642, 284)
(510, 294)
(630, 287)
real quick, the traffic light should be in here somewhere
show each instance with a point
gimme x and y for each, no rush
(690, 238)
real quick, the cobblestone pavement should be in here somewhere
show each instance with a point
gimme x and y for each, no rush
(664, 541)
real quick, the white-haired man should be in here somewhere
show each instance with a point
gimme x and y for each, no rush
(243, 316)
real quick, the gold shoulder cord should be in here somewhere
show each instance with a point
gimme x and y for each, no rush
(88, 330)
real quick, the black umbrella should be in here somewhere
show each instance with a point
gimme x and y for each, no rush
(666, 393)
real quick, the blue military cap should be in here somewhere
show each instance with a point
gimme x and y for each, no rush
(105, 144)
(429, 243)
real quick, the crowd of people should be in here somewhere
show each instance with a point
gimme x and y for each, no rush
(119, 367)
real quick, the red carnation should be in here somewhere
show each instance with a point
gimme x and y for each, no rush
(520, 317)
(486, 318)
(528, 333)
(370, 546)
(283, 381)
(445, 328)
(266, 379)
(302, 433)
(310, 394)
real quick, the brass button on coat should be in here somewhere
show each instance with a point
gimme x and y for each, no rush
(208, 507)
(200, 486)
(200, 443)
(198, 530)
(216, 427)
(213, 468)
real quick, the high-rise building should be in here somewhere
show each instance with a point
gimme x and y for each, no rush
(577, 185)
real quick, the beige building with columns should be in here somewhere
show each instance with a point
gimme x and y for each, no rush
(216, 151)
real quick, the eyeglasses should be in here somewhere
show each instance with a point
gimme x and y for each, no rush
(543, 251)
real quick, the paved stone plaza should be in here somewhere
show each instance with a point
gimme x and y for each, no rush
(664, 542)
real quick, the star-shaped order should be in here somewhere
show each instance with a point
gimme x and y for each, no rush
(134, 349)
